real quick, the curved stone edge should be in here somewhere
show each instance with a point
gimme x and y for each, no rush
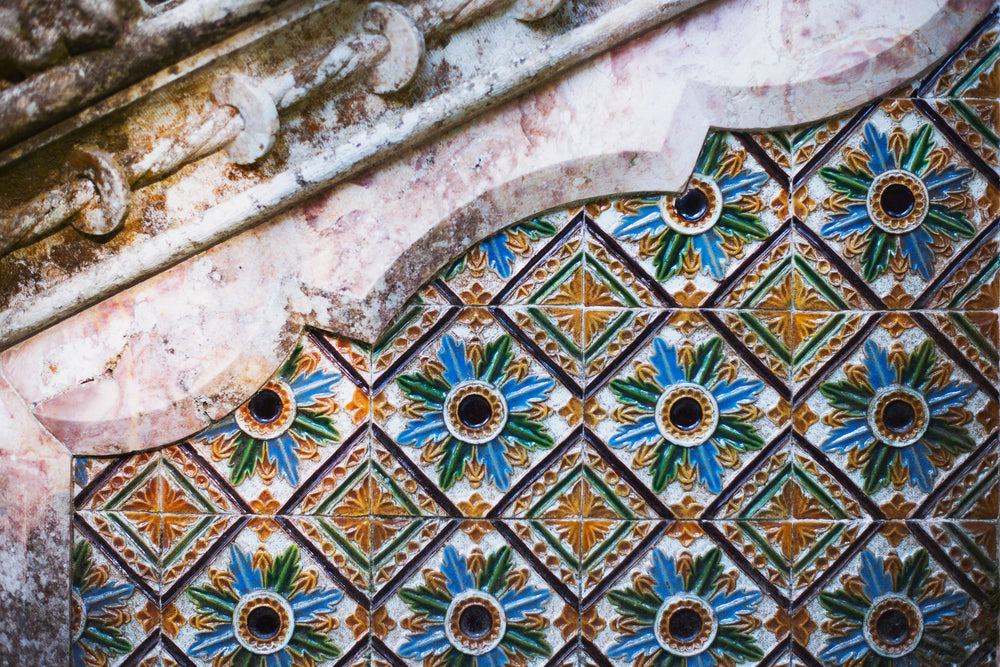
(128, 393)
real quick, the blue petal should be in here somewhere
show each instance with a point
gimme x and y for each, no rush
(942, 183)
(281, 452)
(936, 608)
(218, 641)
(664, 360)
(247, 577)
(456, 572)
(432, 640)
(853, 434)
(307, 605)
(709, 469)
(528, 600)
(952, 395)
(629, 647)
(728, 605)
(841, 649)
(498, 254)
(729, 396)
(916, 246)
(668, 580)
(713, 257)
(81, 466)
(457, 367)
(877, 580)
(854, 221)
(646, 221)
(921, 471)
(643, 431)
(106, 595)
(876, 144)
(227, 427)
(880, 372)
(280, 659)
(520, 394)
(744, 183)
(495, 658)
(310, 387)
(424, 430)
(498, 470)
(701, 660)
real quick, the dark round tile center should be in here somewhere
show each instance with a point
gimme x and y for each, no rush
(475, 411)
(685, 625)
(897, 200)
(475, 621)
(685, 413)
(265, 406)
(898, 415)
(892, 626)
(263, 622)
(692, 205)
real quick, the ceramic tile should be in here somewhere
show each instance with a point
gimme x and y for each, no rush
(692, 243)
(284, 432)
(267, 595)
(896, 595)
(473, 384)
(646, 429)
(689, 412)
(476, 594)
(898, 411)
(895, 200)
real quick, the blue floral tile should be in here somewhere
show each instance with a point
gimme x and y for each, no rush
(473, 409)
(896, 599)
(898, 412)
(111, 612)
(688, 412)
(270, 445)
(475, 597)
(685, 601)
(895, 199)
(267, 596)
(692, 242)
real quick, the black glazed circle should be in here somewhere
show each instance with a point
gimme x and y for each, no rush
(892, 626)
(475, 410)
(692, 205)
(686, 413)
(685, 625)
(265, 406)
(897, 200)
(263, 622)
(898, 415)
(475, 621)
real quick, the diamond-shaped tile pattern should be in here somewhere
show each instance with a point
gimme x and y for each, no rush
(751, 423)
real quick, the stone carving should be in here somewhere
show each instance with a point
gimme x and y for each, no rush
(37, 34)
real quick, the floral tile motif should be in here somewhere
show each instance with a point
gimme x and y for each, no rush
(476, 597)
(474, 409)
(267, 596)
(691, 242)
(896, 199)
(751, 423)
(688, 411)
(285, 431)
(898, 412)
(686, 603)
(899, 600)
(110, 617)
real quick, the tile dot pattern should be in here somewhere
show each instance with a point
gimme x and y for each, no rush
(752, 423)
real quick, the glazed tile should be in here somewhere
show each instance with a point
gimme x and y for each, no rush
(692, 243)
(663, 399)
(895, 594)
(895, 200)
